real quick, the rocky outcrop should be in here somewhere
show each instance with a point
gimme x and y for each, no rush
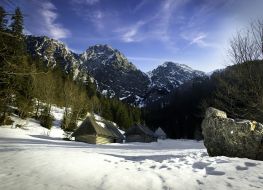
(234, 138)
(53, 52)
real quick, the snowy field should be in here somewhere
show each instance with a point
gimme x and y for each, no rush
(32, 160)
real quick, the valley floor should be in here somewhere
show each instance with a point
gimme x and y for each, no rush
(29, 159)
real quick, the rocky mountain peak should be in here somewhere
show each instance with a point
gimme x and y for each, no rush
(100, 49)
(106, 55)
(172, 65)
(169, 76)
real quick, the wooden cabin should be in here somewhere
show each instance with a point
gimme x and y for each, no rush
(140, 133)
(160, 134)
(98, 131)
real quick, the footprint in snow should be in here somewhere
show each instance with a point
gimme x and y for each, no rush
(163, 166)
(199, 182)
(200, 165)
(229, 184)
(219, 161)
(182, 159)
(212, 171)
(254, 186)
(240, 168)
(250, 164)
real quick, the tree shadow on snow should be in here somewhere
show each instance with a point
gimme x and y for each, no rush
(50, 141)
(156, 158)
(40, 140)
(209, 170)
(45, 137)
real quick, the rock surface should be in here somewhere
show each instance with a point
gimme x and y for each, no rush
(234, 138)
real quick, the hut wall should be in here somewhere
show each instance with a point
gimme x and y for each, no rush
(150, 139)
(162, 137)
(103, 140)
(135, 138)
(140, 138)
(119, 140)
(91, 139)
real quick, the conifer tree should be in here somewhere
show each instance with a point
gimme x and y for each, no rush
(17, 23)
(3, 20)
(122, 117)
(11, 55)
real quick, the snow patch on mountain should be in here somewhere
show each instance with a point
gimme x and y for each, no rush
(171, 75)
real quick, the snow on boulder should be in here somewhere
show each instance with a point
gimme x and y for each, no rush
(234, 138)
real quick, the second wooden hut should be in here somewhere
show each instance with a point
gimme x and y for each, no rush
(140, 133)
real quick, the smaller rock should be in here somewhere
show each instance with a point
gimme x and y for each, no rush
(212, 112)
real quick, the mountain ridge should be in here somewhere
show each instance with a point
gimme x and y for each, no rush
(114, 74)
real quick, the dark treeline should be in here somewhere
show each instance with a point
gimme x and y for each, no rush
(28, 87)
(181, 112)
(238, 90)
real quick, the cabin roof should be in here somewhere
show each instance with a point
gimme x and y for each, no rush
(139, 129)
(160, 132)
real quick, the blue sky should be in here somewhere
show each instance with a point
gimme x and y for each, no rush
(148, 32)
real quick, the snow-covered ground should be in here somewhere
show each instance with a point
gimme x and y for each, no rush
(30, 159)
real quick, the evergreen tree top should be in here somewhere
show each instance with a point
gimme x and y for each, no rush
(3, 20)
(17, 23)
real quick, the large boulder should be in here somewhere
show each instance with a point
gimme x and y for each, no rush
(234, 138)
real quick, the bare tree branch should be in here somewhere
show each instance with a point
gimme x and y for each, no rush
(247, 45)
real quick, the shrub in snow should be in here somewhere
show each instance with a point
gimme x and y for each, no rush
(25, 107)
(69, 122)
(65, 121)
(72, 125)
(5, 120)
(46, 118)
